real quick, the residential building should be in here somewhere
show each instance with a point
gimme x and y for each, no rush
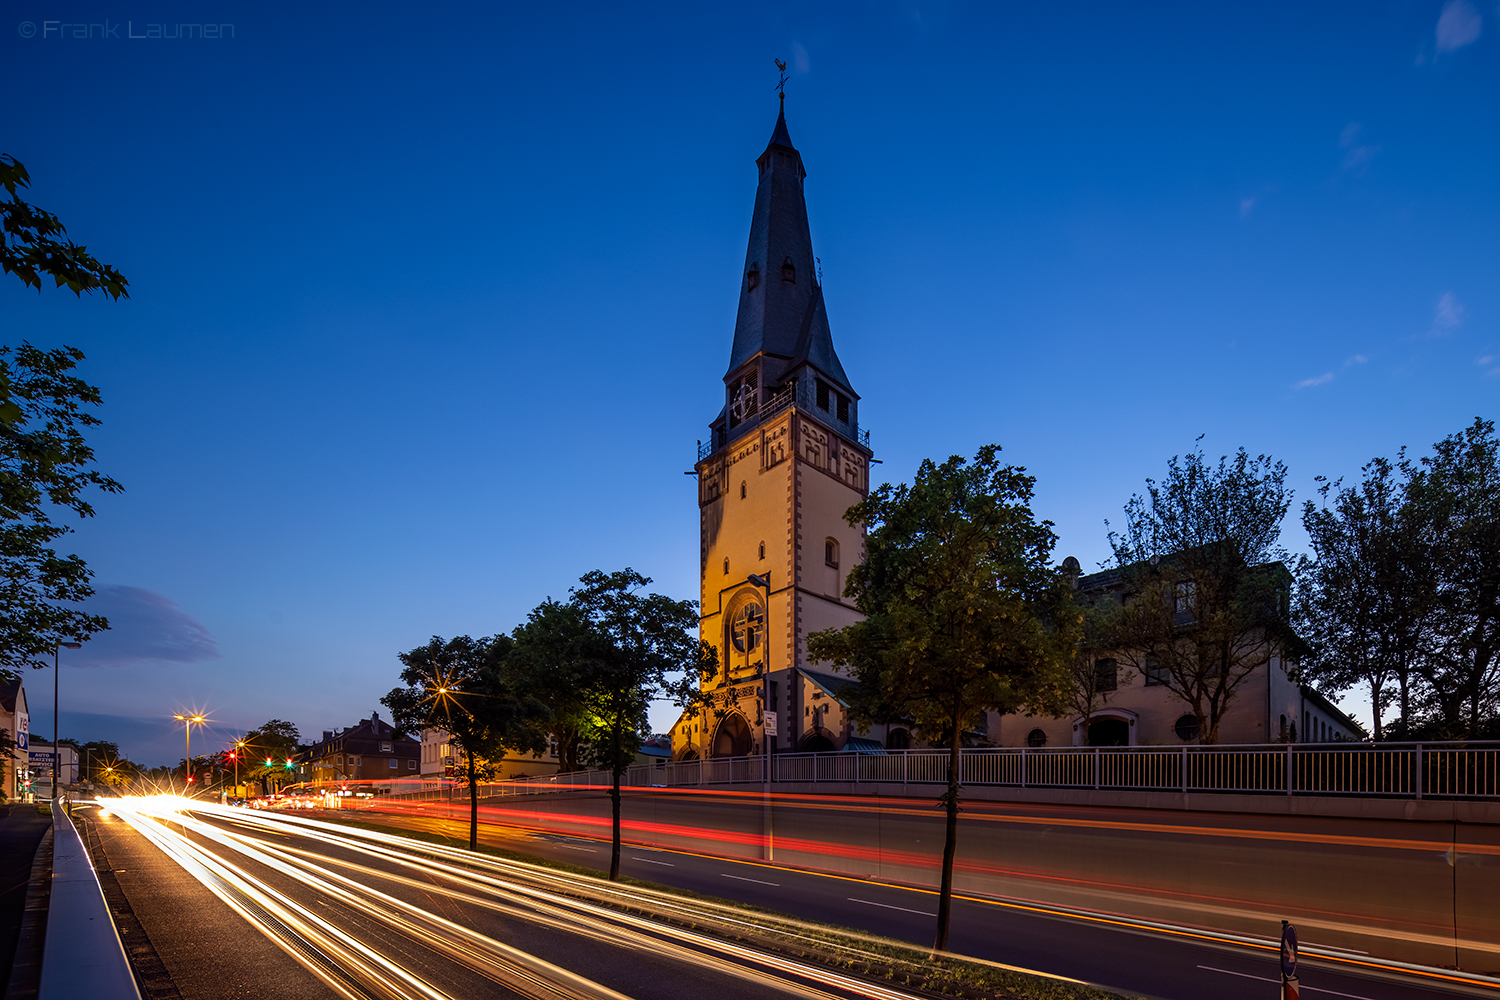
(39, 757)
(370, 750)
(15, 720)
(441, 759)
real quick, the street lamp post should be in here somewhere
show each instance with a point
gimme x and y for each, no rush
(765, 705)
(57, 687)
(187, 742)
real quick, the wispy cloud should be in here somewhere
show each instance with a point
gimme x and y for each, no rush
(1247, 205)
(1447, 315)
(1357, 155)
(1458, 25)
(144, 626)
(1355, 359)
(800, 61)
(1310, 383)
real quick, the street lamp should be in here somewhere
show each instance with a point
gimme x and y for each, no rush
(767, 731)
(188, 721)
(56, 687)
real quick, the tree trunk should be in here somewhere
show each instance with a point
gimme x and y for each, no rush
(473, 806)
(950, 840)
(1375, 686)
(614, 804)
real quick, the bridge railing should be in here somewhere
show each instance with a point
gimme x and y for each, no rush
(1395, 770)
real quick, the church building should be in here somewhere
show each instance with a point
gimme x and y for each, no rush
(784, 459)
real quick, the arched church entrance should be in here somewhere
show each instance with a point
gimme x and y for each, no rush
(689, 754)
(732, 738)
(1109, 732)
(817, 742)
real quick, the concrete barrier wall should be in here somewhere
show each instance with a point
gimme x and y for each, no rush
(83, 956)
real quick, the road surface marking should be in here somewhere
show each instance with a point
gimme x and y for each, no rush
(570, 847)
(651, 862)
(741, 878)
(1305, 989)
(888, 906)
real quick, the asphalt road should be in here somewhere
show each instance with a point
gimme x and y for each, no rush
(229, 904)
(1158, 963)
(1410, 891)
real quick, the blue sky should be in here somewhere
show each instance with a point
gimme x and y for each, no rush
(428, 309)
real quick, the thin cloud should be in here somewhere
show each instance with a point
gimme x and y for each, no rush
(1356, 359)
(144, 626)
(1309, 383)
(1357, 155)
(1458, 25)
(1447, 315)
(800, 61)
(1246, 206)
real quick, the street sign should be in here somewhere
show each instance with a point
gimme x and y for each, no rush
(769, 719)
(1288, 949)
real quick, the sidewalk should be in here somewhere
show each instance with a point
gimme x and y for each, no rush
(21, 830)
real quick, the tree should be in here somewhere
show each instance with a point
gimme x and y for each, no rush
(267, 749)
(45, 465)
(1455, 494)
(551, 653)
(639, 648)
(44, 460)
(1094, 673)
(34, 244)
(1207, 592)
(1365, 599)
(963, 613)
(461, 686)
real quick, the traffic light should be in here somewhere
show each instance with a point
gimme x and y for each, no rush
(289, 763)
(270, 762)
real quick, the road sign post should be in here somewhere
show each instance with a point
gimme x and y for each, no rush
(1289, 984)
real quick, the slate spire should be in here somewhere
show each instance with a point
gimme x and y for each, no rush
(781, 312)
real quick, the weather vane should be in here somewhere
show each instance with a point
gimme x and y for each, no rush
(781, 84)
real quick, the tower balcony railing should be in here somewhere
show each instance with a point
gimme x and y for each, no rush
(782, 400)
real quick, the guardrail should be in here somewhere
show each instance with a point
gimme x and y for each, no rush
(1386, 770)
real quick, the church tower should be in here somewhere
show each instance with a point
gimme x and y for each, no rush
(784, 460)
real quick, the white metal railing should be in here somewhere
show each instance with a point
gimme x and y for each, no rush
(1393, 770)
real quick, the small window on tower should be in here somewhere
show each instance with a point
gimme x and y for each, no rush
(726, 566)
(831, 553)
(742, 491)
(844, 409)
(822, 395)
(752, 277)
(789, 271)
(762, 550)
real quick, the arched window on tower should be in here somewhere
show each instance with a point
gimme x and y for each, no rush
(742, 491)
(726, 565)
(762, 550)
(831, 553)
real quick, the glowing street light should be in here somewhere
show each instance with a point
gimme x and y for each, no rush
(188, 722)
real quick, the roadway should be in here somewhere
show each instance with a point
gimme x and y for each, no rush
(220, 903)
(1418, 892)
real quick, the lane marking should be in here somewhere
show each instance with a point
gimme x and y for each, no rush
(1263, 979)
(649, 861)
(570, 847)
(888, 906)
(741, 878)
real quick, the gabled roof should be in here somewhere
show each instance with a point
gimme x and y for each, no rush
(831, 684)
(9, 692)
(783, 318)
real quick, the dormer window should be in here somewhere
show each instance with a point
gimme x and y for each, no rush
(789, 271)
(752, 277)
